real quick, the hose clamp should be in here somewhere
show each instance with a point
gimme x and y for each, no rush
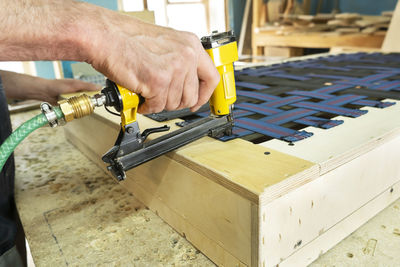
(50, 114)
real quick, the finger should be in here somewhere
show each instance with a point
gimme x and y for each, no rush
(174, 94)
(153, 105)
(149, 106)
(208, 79)
(200, 102)
(190, 93)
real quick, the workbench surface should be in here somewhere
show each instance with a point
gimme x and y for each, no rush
(75, 214)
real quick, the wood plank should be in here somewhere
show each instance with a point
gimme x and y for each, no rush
(316, 40)
(29, 67)
(254, 25)
(392, 40)
(339, 231)
(245, 30)
(274, 51)
(302, 215)
(23, 106)
(256, 14)
(209, 157)
(347, 30)
(226, 12)
(158, 194)
(348, 49)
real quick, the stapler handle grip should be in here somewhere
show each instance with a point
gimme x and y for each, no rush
(222, 49)
(123, 100)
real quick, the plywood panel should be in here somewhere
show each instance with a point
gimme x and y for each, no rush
(302, 215)
(238, 165)
(210, 216)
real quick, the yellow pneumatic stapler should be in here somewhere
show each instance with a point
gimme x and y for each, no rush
(130, 149)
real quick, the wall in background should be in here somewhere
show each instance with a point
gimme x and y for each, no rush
(367, 7)
(110, 4)
(45, 69)
(370, 7)
(236, 10)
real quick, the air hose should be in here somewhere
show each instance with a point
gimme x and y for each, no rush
(73, 108)
(22, 132)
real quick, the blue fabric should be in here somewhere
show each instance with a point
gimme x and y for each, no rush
(8, 226)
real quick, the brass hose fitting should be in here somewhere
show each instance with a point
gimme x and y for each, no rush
(79, 106)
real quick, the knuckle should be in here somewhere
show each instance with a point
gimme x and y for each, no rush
(159, 80)
(190, 101)
(216, 77)
(193, 39)
(156, 108)
(188, 35)
(188, 52)
(177, 63)
(172, 105)
(193, 102)
(156, 104)
(184, 103)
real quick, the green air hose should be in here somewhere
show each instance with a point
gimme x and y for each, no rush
(23, 131)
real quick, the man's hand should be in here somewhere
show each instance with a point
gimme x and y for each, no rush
(169, 68)
(21, 86)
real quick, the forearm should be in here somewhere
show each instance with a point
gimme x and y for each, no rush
(22, 86)
(167, 67)
(44, 30)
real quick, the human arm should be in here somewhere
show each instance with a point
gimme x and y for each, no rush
(22, 86)
(169, 68)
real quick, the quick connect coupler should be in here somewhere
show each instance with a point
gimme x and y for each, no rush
(72, 108)
(77, 107)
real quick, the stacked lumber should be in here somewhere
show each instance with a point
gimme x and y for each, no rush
(341, 23)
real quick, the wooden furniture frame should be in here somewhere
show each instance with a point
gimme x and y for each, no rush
(269, 43)
(242, 206)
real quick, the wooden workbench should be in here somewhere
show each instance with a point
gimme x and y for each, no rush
(75, 214)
